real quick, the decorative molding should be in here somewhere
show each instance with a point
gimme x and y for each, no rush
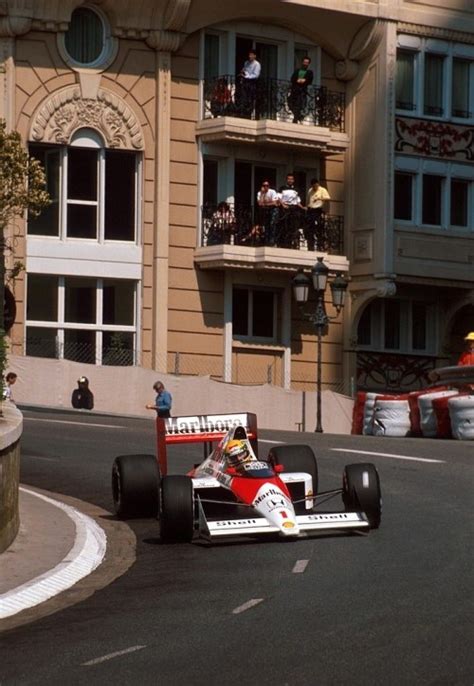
(366, 40)
(175, 14)
(434, 139)
(165, 41)
(435, 32)
(346, 70)
(14, 26)
(364, 43)
(65, 112)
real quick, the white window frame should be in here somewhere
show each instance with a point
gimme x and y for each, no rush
(98, 327)
(422, 46)
(89, 138)
(419, 166)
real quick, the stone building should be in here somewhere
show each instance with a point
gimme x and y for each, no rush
(144, 127)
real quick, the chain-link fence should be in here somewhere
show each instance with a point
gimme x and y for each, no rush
(246, 369)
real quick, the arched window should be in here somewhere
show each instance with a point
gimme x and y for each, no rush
(93, 190)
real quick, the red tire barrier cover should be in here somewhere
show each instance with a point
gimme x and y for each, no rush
(443, 421)
(358, 413)
(415, 410)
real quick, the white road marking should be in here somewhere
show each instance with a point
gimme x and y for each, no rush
(40, 457)
(396, 457)
(300, 566)
(63, 421)
(247, 606)
(86, 554)
(111, 656)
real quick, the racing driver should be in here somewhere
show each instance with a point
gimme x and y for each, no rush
(237, 453)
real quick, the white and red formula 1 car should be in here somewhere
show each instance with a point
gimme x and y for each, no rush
(233, 492)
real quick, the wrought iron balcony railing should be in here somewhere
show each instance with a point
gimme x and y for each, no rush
(292, 228)
(273, 99)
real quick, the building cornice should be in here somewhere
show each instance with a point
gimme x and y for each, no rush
(435, 32)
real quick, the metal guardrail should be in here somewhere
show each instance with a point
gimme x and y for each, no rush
(273, 99)
(453, 376)
(270, 226)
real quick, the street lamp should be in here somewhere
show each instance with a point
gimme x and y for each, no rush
(320, 319)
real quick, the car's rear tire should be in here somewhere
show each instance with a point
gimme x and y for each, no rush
(177, 509)
(296, 458)
(361, 491)
(136, 486)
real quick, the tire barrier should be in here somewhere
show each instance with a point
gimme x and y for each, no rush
(415, 410)
(461, 413)
(358, 413)
(427, 415)
(368, 413)
(391, 417)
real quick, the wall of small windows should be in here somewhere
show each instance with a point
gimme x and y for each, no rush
(435, 78)
(83, 319)
(434, 193)
(398, 325)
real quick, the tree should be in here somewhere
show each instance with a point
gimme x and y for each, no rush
(22, 188)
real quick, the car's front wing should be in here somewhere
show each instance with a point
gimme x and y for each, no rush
(259, 525)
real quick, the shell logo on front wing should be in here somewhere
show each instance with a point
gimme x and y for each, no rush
(288, 525)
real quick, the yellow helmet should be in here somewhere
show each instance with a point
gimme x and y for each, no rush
(236, 452)
(470, 336)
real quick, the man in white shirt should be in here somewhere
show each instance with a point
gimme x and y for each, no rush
(317, 203)
(247, 85)
(268, 201)
(291, 213)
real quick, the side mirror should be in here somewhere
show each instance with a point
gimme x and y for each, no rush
(279, 468)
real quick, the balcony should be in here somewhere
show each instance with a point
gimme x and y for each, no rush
(265, 111)
(246, 236)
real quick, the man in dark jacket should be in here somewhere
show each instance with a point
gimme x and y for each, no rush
(300, 80)
(82, 397)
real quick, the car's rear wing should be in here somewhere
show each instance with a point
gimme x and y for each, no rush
(203, 428)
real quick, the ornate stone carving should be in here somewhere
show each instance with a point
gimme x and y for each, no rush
(66, 112)
(434, 139)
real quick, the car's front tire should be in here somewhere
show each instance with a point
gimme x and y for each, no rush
(361, 491)
(135, 486)
(177, 509)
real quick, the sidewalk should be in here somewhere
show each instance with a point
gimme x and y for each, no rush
(60, 542)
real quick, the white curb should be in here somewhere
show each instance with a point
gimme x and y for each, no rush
(86, 555)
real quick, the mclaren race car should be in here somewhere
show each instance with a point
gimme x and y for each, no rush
(234, 491)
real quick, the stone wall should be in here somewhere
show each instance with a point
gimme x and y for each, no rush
(11, 424)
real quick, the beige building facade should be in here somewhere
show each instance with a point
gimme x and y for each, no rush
(145, 128)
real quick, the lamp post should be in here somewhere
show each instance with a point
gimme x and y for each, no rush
(319, 318)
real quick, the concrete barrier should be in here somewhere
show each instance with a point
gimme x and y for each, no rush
(11, 426)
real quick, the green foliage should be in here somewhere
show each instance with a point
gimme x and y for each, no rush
(22, 179)
(22, 187)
